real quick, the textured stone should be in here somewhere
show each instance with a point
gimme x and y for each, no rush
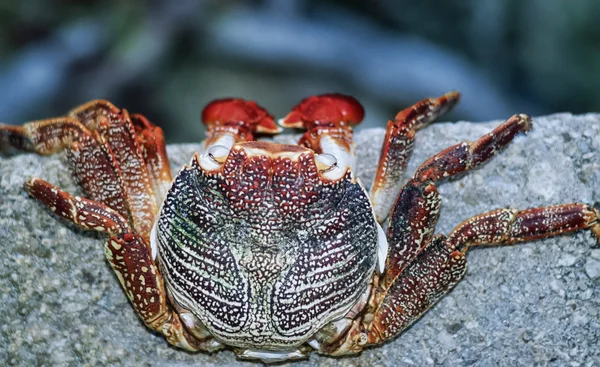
(531, 304)
(592, 268)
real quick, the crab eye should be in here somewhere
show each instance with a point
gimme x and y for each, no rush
(218, 153)
(326, 162)
(214, 157)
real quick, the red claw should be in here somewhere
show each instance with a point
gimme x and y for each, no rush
(325, 110)
(236, 112)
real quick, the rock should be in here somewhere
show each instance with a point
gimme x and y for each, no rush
(557, 286)
(567, 260)
(61, 303)
(592, 268)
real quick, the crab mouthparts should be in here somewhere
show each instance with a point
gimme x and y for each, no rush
(226, 153)
(272, 150)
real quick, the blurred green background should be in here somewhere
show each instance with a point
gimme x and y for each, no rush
(167, 59)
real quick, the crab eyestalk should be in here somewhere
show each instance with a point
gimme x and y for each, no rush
(327, 120)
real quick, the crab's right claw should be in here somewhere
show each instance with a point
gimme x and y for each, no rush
(327, 120)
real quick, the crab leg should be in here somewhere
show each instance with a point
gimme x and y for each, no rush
(508, 226)
(467, 155)
(414, 216)
(128, 255)
(117, 130)
(14, 137)
(434, 271)
(411, 226)
(152, 142)
(398, 146)
(90, 161)
(104, 155)
(441, 264)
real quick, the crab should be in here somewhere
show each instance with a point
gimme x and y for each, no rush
(274, 250)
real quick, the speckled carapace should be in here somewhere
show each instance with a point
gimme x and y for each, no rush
(273, 250)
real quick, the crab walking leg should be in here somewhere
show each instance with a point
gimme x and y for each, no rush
(508, 226)
(468, 155)
(434, 271)
(116, 128)
(415, 212)
(442, 263)
(128, 255)
(14, 137)
(411, 226)
(398, 146)
(154, 150)
(85, 213)
(90, 161)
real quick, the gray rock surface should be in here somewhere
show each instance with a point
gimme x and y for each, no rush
(532, 304)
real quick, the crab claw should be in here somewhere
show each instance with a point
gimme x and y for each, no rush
(236, 112)
(327, 119)
(324, 110)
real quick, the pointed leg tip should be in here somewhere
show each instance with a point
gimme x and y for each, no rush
(453, 96)
(595, 227)
(525, 121)
(41, 190)
(14, 138)
(31, 184)
(448, 101)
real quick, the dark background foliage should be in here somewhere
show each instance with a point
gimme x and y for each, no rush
(167, 59)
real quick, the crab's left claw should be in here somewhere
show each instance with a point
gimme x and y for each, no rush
(240, 115)
(229, 121)
(324, 110)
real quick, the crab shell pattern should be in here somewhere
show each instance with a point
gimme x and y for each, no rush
(265, 251)
(277, 250)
